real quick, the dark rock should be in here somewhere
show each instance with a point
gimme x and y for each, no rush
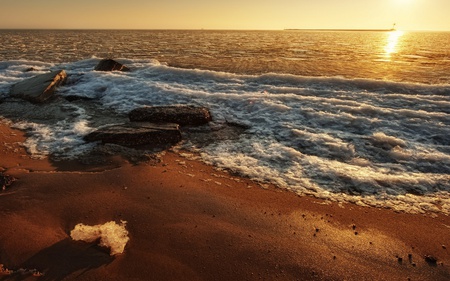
(431, 260)
(39, 88)
(110, 65)
(72, 98)
(137, 134)
(6, 180)
(237, 125)
(181, 114)
(101, 155)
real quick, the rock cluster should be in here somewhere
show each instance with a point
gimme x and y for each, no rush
(156, 127)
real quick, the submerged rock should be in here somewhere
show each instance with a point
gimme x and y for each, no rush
(179, 114)
(136, 134)
(101, 155)
(110, 65)
(39, 88)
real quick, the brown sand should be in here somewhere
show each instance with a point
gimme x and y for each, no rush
(190, 222)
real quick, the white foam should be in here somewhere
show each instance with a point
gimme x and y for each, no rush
(380, 138)
(371, 142)
(111, 235)
(64, 139)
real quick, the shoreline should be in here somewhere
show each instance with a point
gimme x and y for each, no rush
(188, 221)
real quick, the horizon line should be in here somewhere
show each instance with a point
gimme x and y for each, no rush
(239, 29)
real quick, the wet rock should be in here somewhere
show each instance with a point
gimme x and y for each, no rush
(179, 114)
(39, 88)
(137, 134)
(73, 98)
(110, 65)
(101, 154)
(5, 180)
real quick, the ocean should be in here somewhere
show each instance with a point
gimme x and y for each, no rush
(347, 116)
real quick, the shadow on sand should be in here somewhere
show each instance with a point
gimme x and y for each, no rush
(64, 259)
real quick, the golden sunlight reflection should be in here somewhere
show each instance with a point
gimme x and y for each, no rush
(392, 42)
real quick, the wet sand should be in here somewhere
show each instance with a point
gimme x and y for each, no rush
(187, 221)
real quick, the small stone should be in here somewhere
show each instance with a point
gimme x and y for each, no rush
(5, 180)
(410, 258)
(431, 260)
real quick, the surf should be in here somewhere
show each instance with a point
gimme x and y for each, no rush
(371, 142)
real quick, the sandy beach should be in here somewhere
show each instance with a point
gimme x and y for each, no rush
(188, 221)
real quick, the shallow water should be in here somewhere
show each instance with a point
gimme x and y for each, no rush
(332, 124)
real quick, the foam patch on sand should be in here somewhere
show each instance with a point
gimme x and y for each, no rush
(111, 235)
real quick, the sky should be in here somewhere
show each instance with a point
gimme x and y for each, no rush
(225, 14)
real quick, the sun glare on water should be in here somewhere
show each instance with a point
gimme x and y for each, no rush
(392, 42)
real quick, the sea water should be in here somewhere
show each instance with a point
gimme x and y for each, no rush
(360, 117)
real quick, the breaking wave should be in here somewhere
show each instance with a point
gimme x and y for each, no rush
(371, 142)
